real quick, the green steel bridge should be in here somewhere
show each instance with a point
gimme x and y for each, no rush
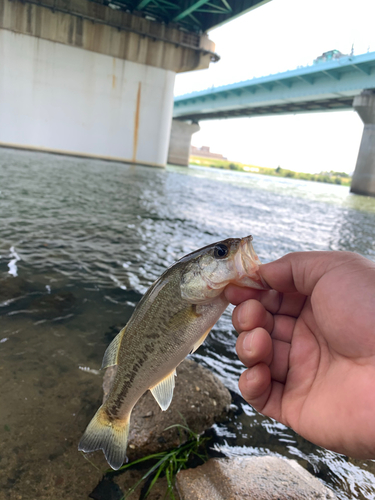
(326, 86)
(191, 15)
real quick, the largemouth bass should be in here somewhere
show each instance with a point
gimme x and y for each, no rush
(171, 321)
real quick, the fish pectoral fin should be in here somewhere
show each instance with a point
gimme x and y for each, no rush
(163, 391)
(111, 354)
(200, 341)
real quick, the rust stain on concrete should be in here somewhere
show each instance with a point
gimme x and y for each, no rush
(114, 74)
(136, 122)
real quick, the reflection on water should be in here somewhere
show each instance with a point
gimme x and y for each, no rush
(81, 241)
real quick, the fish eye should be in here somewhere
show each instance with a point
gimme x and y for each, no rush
(220, 251)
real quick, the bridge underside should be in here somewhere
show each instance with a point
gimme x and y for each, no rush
(192, 15)
(332, 104)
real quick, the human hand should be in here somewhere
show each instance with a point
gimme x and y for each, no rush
(309, 345)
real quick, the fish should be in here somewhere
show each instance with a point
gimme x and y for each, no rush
(171, 320)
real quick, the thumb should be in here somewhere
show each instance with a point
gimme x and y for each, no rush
(300, 271)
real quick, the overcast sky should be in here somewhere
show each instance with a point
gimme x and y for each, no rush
(279, 36)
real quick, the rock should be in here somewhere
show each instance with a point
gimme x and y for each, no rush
(127, 481)
(199, 400)
(35, 299)
(13, 288)
(250, 478)
(106, 490)
(48, 306)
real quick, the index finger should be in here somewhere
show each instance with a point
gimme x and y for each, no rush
(275, 302)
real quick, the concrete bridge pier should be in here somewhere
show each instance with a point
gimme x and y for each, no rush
(364, 175)
(179, 144)
(81, 78)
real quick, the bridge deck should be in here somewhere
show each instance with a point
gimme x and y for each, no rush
(321, 87)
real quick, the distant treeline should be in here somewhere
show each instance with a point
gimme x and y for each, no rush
(329, 177)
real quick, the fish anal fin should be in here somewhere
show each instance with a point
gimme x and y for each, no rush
(108, 435)
(200, 341)
(111, 354)
(163, 391)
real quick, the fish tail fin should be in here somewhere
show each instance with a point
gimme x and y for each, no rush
(109, 435)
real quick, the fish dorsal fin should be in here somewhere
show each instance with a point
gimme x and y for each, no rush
(111, 354)
(163, 391)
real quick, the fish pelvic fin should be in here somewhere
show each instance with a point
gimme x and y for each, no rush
(111, 354)
(109, 435)
(200, 341)
(163, 391)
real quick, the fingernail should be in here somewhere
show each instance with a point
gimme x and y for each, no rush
(247, 342)
(249, 374)
(242, 315)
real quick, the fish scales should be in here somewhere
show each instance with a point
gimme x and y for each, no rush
(147, 341)
(171, 320)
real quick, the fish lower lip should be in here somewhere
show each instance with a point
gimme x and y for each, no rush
(255, 281)
(247, 264)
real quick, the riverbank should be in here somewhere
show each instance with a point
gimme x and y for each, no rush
(328, 177)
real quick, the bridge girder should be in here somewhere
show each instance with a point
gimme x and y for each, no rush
(321, 87)
(192, 15)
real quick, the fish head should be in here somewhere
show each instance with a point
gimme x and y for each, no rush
(206, 272)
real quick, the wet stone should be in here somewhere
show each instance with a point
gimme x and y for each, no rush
(34, 299)
(251, 478)
(196, 409)
(106, 490)
(13, 287)
(52, 305)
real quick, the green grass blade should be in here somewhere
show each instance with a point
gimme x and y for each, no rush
(170, 462)
(191, 433)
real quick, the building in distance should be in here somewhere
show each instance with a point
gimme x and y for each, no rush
(205, 152)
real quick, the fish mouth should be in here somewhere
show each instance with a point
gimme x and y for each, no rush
(247, 265)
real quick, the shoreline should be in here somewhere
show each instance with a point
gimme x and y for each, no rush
(332, 177)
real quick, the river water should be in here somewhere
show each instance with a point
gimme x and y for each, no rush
(81, 241)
